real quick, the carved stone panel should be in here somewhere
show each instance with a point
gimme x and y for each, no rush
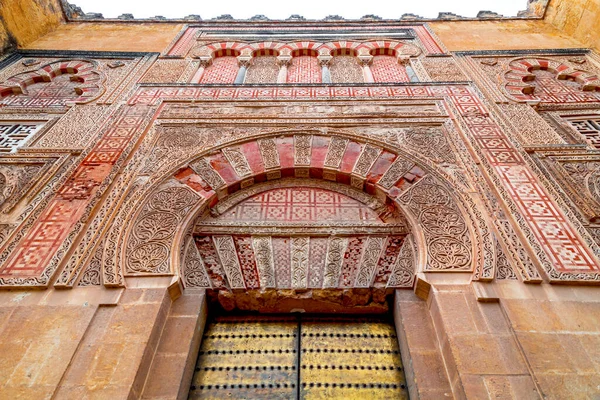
(333, 263)
(345, 69)
(403, 274)
(300, 260)
(370, 258)
(449, 245)
(194, 270)
(264, 69)
(263, 251)
(229, 260)
(148, 249)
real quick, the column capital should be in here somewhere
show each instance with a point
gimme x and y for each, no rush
(205, 61)
(284, 60)
(324, 60)
(244, 61)
(403, 59)
(365, 60)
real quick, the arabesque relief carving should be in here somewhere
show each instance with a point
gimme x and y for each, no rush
(148, 248)
(445, 230)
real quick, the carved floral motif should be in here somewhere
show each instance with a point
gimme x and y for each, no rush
(445, 229)
(148, 248)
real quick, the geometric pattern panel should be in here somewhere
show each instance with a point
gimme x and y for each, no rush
(31, 259)
(13, 135)
(589, 127)
(300, 204)
(222, 70)
(304, 69)
(554, 232)
(387, 69)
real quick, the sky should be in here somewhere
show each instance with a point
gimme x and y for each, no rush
(310, 9)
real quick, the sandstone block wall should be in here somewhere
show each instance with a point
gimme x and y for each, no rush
(24, 21)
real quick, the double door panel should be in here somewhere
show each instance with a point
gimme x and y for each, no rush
(299, 357)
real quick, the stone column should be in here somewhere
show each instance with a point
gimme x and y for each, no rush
(411, 74)
(405, 61)
(283, 62)
(244, 63)
(324, 62)
(204, 63)
(365, 61)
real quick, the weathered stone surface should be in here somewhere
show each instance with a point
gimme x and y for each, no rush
(577, 18)
(315, 300)
(24, 21)
(190, 199)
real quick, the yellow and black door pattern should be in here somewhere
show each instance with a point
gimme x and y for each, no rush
(299, 357)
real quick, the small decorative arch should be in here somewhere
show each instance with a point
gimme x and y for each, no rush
(263, 67)
(305, 53)
(220, 48)
(344, 51)
(386, 66)
(226, 53)
(224, 66)
(54, 84)
(304, 66)
(379, 47)
(302, 45)
(340, 47)
(265, 52)
(275, 46)
(522, 81)
(383, 52)
(344, 66)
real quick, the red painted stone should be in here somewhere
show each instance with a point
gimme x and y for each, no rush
(253, 156)
(243, 245)
(320, 145)
(351, 261)
(222, 166)
(380, 166)
(352, 153)
(285, 147)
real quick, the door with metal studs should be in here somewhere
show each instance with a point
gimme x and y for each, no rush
(299, 357)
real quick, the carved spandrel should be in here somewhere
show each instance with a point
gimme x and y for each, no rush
(445, 229)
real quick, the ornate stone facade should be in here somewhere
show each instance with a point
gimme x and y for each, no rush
(360, 169)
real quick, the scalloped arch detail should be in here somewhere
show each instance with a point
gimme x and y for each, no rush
(81, 71)
(519, 77)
